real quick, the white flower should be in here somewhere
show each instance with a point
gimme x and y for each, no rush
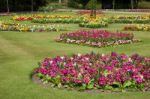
(79, 75)
(75, 64)
(103, 55)
(79, 54)
(130, 60)
(71, 58)
(62, 57)
(51, 62)
(141, 76)
(87, 58)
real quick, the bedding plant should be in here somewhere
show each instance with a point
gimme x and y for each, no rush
(7, 26)
(96, 71)
(97, 38)
(137, 27)
(141, 19)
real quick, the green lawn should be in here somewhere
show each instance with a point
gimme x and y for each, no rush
(20, 52)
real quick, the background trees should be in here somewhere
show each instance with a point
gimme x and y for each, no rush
(31, 5)
(21, 5)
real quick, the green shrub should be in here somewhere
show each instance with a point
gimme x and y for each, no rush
(74, 4)
(144, 5)
(89, 5)
(51, 7)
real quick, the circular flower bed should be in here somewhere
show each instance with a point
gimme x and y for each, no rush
(97, 38)
(96, 71)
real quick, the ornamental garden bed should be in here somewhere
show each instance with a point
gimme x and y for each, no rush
(97, 38)
(137, 27)
(58, 20)
(83, 21)
(9, 26)
(114, 72)
(32, 17)
(143, 19)
(98, 22)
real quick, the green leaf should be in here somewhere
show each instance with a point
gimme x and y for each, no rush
(57, 80)
(83, 87)
(48, 78)
(108, 87)
(105, 73)
(127, 84)
(90, 86)
(40, 75)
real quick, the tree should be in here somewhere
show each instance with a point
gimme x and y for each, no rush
(7, 2)
(93, 10)
(132, 4)
(32, 3)
(60, 1)
(114, 4)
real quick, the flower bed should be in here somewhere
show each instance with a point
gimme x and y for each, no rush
(84, 21)
(31, 17)
(58, 20)
(132, 19)
(137, 27)
(97, 22)
(30, 28)
(94, 24)
(96, 71)
(97, 38)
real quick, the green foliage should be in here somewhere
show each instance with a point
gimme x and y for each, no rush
(51, 7)
(89, 5)
(127, 84)
(21, 5)
(44, 21)
(144, 5)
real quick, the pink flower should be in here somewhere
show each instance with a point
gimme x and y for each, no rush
(86, 79)
(102, 81)
(77, 81)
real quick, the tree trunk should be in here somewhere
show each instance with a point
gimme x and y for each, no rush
(32, 5)
(7, 6)
(114, 4)
(132, 4)
(65, 2)
(60, 1)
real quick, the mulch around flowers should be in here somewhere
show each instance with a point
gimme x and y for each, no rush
(37, 80)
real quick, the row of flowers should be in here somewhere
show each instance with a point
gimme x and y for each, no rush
(96, 71)
(145, 16)
(30, 28)
(83, 21)
(97, 38)
(131, 19)
(137, 27)
(58, 20)
(31, 17)
(98, 22)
